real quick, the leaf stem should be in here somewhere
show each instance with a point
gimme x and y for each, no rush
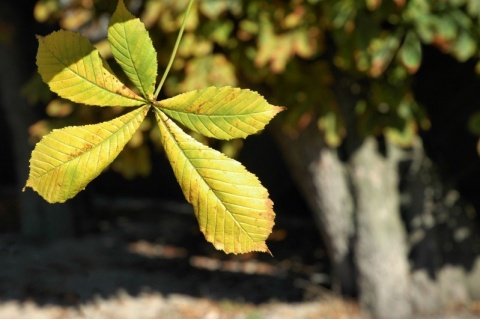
(174, 52)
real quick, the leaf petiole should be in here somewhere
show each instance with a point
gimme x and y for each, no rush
(174, 52)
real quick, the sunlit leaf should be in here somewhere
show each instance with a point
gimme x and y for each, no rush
(59, 108)
(276, 49)
(294, 18)
(446, 27)
(332, 127)
(382, 52)
(133, 49)
(457, 3)
(73, 69)
(233, 209)
(266, 42)
(222, 113)
(45, 9)
(465, 46)
(66, 160)
(221, 32)
(402, 136)
(373, 4)
(410, 53)
(473, 8)
(212, 9)
(209, 70)
(75, 18)
(192, 45)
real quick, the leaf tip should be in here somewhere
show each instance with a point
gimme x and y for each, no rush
(120, 6)
(278, 109)
(28, 184)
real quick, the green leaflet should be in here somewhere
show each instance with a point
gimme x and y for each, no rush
(133, 49)
(66, 160)
(410, 52)
(74, 69)
(233, 209)
(222, 113)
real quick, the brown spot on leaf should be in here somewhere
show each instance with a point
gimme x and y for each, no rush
(233, 95)
(80, 151)
(196, 108)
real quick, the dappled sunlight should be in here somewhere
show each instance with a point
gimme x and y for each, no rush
(152, 250)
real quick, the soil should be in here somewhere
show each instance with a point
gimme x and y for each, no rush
(151, 261)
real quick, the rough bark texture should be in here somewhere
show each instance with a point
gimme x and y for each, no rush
(388, 207)
(369, 211)
(380, 246)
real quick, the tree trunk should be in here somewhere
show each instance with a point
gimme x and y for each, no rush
(358, 205)
(380, 246)
(322, 179)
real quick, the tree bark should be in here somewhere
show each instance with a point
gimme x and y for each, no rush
(356, 207)
(322, 179)
(388, 208)
(380, 246)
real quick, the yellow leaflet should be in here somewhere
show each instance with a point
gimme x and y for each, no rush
(66, 160)
(74, 69)
(133, 49)
(222, 113)
(233, 209)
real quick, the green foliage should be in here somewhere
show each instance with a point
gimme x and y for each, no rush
(378, 44)
(233, 209)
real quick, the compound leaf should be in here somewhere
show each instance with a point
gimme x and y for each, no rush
(233, 209)
(66, 160)
(73, 68)
(133, 49)
(222, 113)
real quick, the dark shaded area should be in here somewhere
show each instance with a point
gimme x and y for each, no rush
(450, 92)
(7, 168)
(159, 248)
(8, 213)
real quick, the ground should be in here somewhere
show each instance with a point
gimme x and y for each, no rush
(149, 260)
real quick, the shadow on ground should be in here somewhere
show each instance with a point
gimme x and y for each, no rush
(160, 249)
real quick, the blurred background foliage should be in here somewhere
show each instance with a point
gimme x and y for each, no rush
(290, 51)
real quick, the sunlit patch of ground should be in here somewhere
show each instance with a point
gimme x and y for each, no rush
(156, 306)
